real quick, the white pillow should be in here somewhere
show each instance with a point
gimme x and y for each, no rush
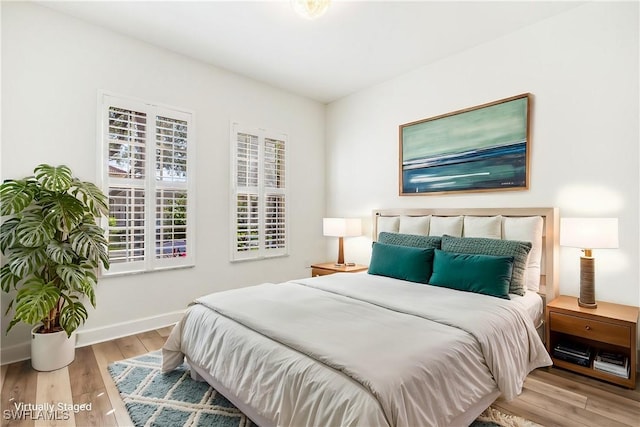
(441, 225)
(389, 224)
(415, 224)
(527, 229)
(483, 226)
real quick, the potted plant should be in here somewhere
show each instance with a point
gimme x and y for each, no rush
(52, 247)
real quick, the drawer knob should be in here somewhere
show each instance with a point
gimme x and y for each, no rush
(588, 328)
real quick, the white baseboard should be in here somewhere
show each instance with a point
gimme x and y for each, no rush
(15, 353)
(22, 351)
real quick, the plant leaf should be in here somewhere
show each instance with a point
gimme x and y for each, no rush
(25, 261)
(91, 196)
(80, 278)
(57, 179)
(72, 315)
(8, 280)
(8, 234)
(13, 322)
(35, 300)
(64, 211)
(34, 230)
(15, 196)
(88, 241)
(60, 252)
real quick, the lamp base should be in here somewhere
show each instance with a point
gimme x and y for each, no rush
(587, 283)
(587, 304)
(340, 261)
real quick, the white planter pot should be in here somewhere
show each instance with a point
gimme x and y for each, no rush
(52, 351)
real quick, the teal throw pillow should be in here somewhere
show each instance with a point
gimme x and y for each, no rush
(497, 247)
(483, 274)
(412, 240)
(402, 262)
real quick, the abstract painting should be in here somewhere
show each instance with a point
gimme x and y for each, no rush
(482, 148)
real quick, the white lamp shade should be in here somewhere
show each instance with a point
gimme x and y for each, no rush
(589, 233)
(342, 227)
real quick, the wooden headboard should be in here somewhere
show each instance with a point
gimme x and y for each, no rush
(550, 231)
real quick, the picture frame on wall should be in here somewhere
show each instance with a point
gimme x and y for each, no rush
(482, 148)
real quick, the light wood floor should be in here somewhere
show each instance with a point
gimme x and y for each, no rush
(551, 397)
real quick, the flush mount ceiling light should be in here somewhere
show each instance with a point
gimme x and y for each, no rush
(310, 9)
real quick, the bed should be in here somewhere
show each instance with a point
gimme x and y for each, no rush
(382, 349)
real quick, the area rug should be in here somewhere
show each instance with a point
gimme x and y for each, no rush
(154, 399)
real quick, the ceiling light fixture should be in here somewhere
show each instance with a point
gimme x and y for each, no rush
(310, 9)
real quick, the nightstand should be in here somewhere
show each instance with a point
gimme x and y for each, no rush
(609, 327)
(330, 268)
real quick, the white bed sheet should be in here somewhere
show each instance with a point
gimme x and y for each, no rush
(532, 303)
(199, 374)
(257, 373)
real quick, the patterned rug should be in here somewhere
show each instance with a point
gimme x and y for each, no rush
(174, 399)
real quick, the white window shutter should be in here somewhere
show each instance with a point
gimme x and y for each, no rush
(275, 224)
(247, 225)
(275, 199)
(127, 139)
(127, 225)
(147, 161)
(259, 211)
(171, 150)
(247, 161)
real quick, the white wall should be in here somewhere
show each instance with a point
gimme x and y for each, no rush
(582, 69)
(52, 68)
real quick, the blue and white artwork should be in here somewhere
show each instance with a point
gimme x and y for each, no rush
(479, 149)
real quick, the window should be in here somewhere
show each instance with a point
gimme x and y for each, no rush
(259, 193)
(145, 153)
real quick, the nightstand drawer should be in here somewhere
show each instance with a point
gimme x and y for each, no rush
(315, 272)
(591, 329)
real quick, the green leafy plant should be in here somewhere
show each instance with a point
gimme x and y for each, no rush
(52, 246)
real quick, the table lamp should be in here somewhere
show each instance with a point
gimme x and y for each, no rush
(341, 227)
(588, 234)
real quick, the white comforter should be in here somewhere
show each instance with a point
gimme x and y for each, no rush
(356, 349)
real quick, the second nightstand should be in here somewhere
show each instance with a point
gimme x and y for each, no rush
(609, 327)
(330, 268)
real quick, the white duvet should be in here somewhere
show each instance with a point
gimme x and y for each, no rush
(357, 349)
